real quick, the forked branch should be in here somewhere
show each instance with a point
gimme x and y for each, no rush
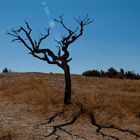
(23, 35)
(73, 35)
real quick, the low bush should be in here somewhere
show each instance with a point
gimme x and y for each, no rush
(6, 70)
(112, 73)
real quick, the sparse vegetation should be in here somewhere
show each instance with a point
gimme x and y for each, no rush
(28, 102)
(112, 73)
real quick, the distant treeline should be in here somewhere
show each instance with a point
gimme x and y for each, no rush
(112, 73)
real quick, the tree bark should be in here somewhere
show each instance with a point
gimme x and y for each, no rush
(67, 94)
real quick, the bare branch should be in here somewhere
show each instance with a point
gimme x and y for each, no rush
(46, 58)
(28, 27)
(34, 48)
(48, 51)
(43, 37)
(59, 53)
(24, 43)
(69, 60)
(62, 23)
(59, 42)
(85, 21)
(82, 22)
(11, 33)
(15, 40)
(73, 34)
(27, 33)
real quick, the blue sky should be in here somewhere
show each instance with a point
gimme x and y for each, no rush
(112, 40)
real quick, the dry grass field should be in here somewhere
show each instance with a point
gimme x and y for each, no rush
(110, 108)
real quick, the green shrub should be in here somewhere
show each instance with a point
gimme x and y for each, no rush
(112, 73)
(94, 73)
(130, 75)
(6, 70)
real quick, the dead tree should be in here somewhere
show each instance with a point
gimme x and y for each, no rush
(61, 59)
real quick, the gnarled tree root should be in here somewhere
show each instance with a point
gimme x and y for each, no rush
(55, 128)
(100, 127)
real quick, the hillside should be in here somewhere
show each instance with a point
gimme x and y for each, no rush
(31, 108)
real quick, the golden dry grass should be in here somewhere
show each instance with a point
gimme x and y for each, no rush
(32, 90)
(113, 101)
(7, 134)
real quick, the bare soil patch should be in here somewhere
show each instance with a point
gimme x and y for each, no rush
(31, 108)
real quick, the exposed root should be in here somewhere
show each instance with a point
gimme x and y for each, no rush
(55, 128)
(54, 116)
(51, 119)
(100, 127)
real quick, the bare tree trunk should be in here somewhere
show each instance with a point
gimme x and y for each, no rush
(67, 94)
(60, 59)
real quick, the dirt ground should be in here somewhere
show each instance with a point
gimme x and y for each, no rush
(31, 108)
